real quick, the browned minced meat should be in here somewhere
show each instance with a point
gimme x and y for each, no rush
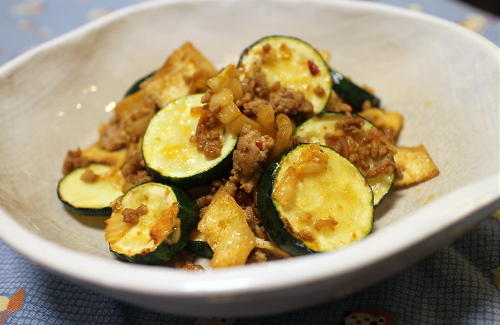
(134, 168)
(289, 102)
(257, 92)
(370, 151)
(254, 221)
(89, 176)
(257, 255)
(251, 152)
(132, 215)
(74, 160)
(129, 122)
(192, 267)
(208, 139)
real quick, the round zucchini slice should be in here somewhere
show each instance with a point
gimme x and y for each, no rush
(169, 154)
(294, 63)
(314, 200)
(150, 223)
(313, 131)
(90, 190)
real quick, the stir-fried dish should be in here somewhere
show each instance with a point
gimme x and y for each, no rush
(275, 156)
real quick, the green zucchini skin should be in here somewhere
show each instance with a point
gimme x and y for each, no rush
(270, 216)
(203, 178)
(246, 51)
(200, 248)
(188, 214)
(272, 219)
(104, 211)
(351, 92)
(388, 187)
(136, 86)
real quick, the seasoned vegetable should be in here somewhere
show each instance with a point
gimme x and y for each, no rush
(316, 128)
(353, 94)
(90, 190)
(314, 200)
(169, 153)
(150, 223)
(200, 248)
(292, 62)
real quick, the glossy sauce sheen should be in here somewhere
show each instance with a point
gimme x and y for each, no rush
(300, 67)
(339, 194)
(167, 147)
(158, 199)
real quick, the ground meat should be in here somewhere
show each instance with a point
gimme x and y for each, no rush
(254, 221)
(251, 152)
(182, 259)
(89, 176)
(207, 138)
(369, 150)
(192, 267)
(112, 135)
(289, 102)
(134, 168)
(251, 108)
(257, 255)
(132, 215)
(74, 160)
(204, 200)
(131, 118)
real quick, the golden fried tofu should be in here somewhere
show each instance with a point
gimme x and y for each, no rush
(95, 153)
(384, 119)
(414, 165)
(185, 72)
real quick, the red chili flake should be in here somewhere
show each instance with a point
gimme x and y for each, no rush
(259, 144)
(313, 67)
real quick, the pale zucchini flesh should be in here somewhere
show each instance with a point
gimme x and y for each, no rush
(339, 194)
(313, 131)
(91, 198)
(295, 64)
(169, 153)
(135, 242)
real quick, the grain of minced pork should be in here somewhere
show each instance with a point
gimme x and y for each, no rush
(370, 150)
(73, 160)
(251, 152)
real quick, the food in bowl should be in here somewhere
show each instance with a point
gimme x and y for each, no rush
(276, 156)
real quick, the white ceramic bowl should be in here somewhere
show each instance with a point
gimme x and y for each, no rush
(443, 78)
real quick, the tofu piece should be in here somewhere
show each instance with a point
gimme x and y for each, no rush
(414, 165)
(224, 225)
(185, 72)
(384, 119)
(95, 153)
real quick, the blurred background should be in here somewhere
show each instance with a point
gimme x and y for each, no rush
(27, 23)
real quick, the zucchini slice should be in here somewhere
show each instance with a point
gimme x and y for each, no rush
(314, 200)
(169, 154)
(313, 131)
(136, 86)
(90, 190)
(150, 223)
(198, 245)
(353, 94)
(292, 62)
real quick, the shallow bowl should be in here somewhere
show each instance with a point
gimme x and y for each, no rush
(441, 77)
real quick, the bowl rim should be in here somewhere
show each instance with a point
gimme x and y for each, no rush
(442, 214)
